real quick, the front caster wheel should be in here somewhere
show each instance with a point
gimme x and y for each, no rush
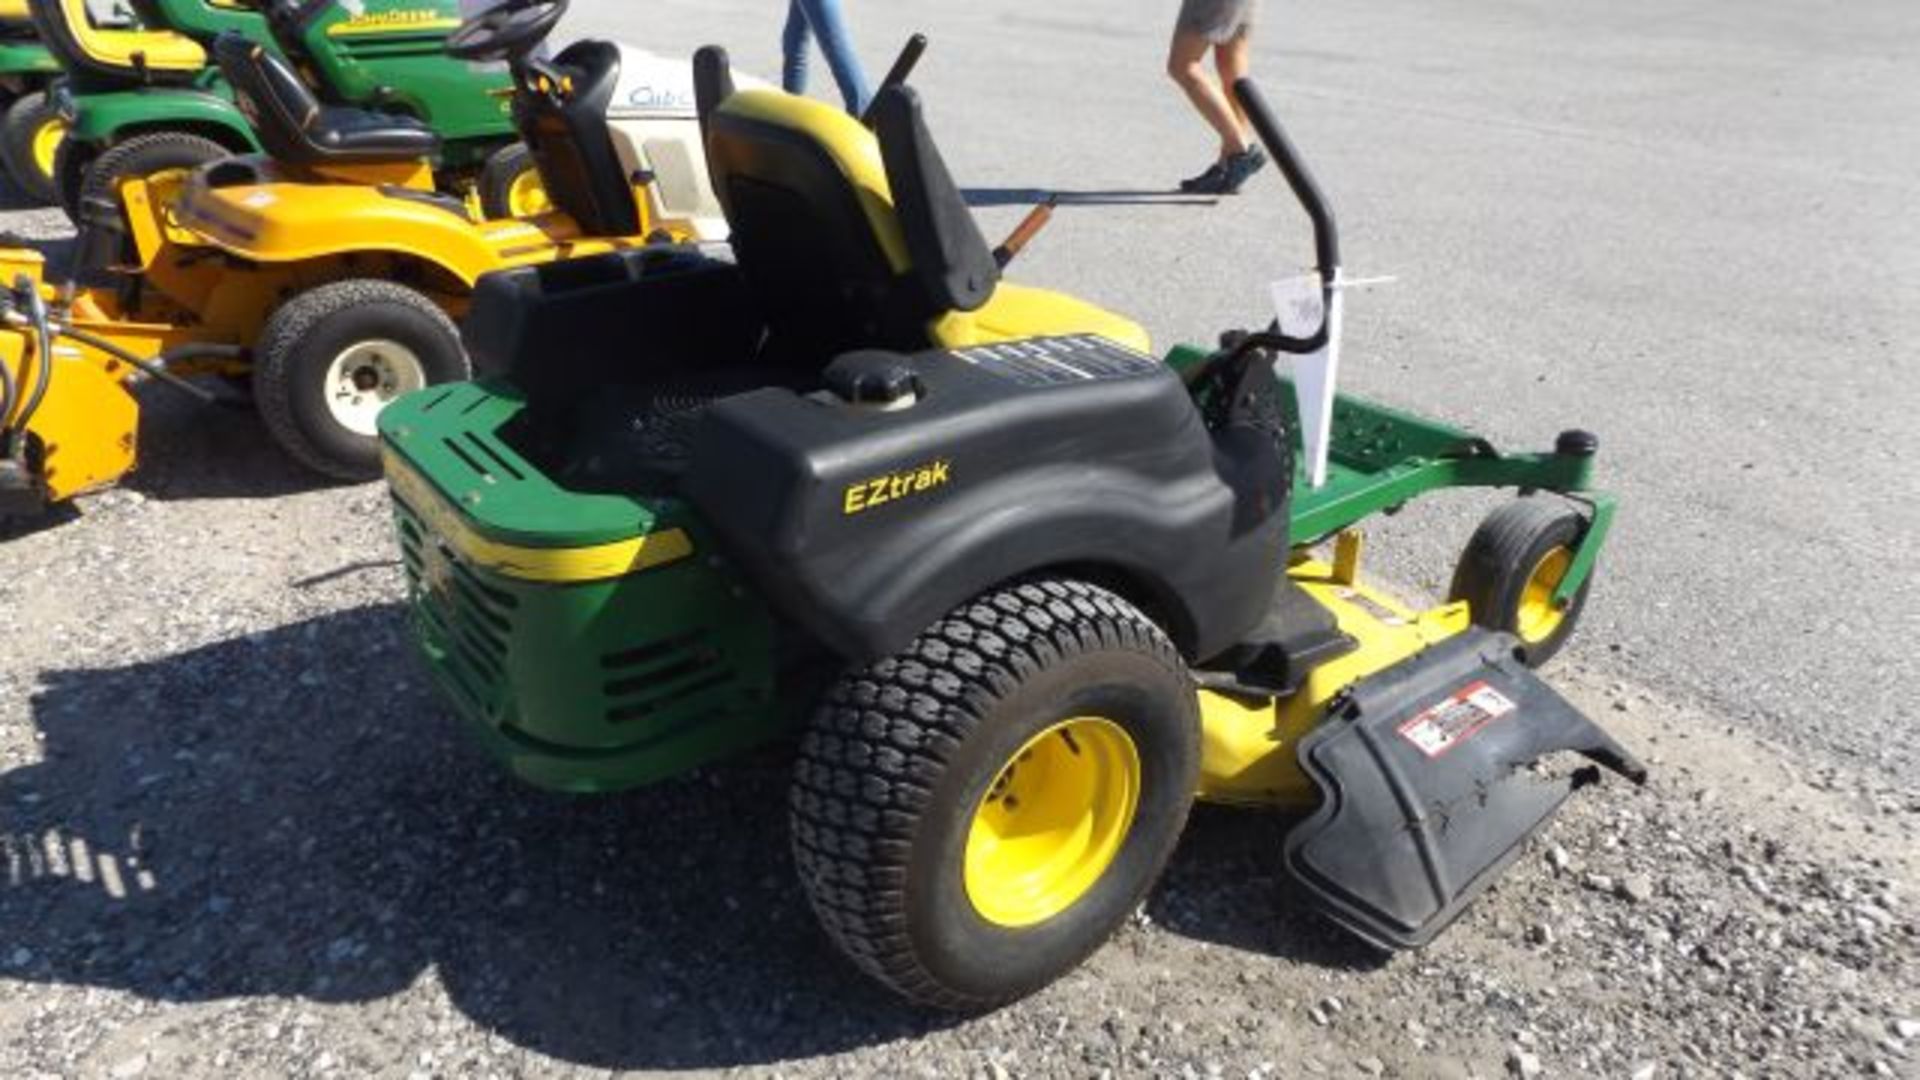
(975, 815)
(510, 185)
(30, 137)
(332, 357)
(1511, 568)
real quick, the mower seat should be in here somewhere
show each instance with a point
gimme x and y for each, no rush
(295, 128)
(854, 239)
(145, 56)
(565, 127)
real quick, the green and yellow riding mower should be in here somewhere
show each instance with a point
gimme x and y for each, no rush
(30, 124)
(1022, 590)
(138, 100)
(326, 278)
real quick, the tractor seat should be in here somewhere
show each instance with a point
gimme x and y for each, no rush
(146, 56)
(854, 239)
(295, 128)
(565, 127)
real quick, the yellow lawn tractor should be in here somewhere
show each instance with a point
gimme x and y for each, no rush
(329, 275)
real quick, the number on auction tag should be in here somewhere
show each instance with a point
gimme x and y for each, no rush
(1300, 303)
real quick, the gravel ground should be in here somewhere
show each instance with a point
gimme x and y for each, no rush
(239, 836)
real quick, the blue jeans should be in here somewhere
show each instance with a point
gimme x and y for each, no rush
(824, 19)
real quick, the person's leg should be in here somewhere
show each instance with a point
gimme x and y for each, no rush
(1186, 63)
(836, 44)
(793, 50)
(1231, 59)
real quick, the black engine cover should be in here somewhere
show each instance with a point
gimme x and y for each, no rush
(1074, 454)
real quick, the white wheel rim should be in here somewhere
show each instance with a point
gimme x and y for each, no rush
(366, 377)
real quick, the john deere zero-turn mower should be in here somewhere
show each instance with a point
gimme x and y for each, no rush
(329, 275)
(143, 99)
(30, 125)
(1024, 590)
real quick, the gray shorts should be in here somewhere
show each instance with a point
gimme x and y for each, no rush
(1219, 21)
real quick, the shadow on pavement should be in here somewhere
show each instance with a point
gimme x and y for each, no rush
(1226, 886)
(981, 198)
(191, 449)
(292, 813)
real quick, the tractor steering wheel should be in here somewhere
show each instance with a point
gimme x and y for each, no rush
(506, 31)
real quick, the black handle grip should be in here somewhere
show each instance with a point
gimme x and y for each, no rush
(1326, 233)
(903, 66)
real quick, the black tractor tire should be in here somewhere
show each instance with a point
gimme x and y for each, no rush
(390, 324)
(503, 168)
(140, 155)
(903, 753)
(144, 155)
(1504, 554)
(20, 132)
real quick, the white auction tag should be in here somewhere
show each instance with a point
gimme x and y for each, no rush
(1302, 308)
(1299, 303)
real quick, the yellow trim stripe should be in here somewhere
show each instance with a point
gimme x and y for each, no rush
(374, 24)
(559, 566)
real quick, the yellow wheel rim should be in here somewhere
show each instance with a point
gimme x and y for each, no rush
(46, 142)
(1539, 616)
(1052, 821)
(527, 196)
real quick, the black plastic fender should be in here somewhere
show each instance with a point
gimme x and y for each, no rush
(865, 524)
(1427, 790)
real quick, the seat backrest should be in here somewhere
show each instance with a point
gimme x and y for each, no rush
(849, 241)
(155, 55)
(294, 127)
(565, 126)
(277, 103)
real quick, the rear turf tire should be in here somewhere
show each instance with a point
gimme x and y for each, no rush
(1517, 556)
(141, 155)
(900, 761)
(397, 337)
(510, 184)
(30, 138)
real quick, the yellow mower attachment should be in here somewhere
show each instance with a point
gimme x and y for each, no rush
(68, 419)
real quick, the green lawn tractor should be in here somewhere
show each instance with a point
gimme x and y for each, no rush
(30, 126)
(1022, 590)
(139, 101)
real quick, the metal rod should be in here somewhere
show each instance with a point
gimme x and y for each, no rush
(1326, 231)
(897, 74)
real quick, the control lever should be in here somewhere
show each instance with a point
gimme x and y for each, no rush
(1023, 233)
(902, 67)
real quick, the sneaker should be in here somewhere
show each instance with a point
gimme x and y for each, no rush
(1207, 181)
(1240, 168)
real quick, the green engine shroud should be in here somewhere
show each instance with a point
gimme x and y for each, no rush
(593, 642)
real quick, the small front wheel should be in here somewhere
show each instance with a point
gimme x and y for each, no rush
(30, 138)
(332, 357)
(510, 184)
(975, 815)
(1511, 569)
